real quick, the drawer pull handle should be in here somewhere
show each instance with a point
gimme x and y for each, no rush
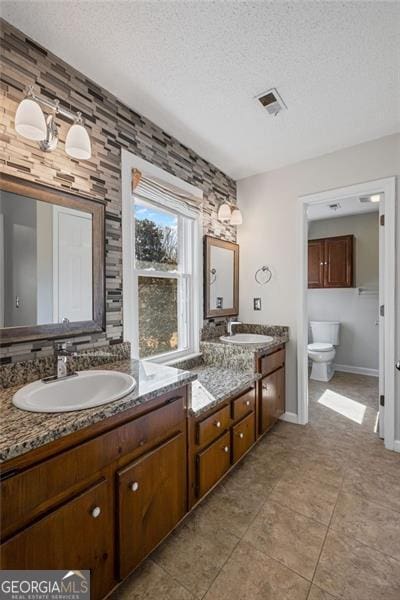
(226, 448)
(218, 424)
(247, 402)
(134, 486)
(96, 512)
(241, 435)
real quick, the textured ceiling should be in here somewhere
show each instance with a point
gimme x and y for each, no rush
(194, 67)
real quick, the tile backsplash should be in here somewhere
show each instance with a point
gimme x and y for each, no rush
(112, 126)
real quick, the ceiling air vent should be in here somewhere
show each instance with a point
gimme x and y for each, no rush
(334, 206)
(272, 102)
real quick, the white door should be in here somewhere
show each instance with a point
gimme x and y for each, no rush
(72, 246)
(381, 408)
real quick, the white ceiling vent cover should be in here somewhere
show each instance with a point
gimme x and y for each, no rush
(272, 102)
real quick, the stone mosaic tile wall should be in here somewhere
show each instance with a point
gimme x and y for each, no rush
(112, 126)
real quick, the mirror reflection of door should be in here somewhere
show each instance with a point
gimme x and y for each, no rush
(221, 284)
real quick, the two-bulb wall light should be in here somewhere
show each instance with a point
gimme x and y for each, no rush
(31, 123)
(230, 215)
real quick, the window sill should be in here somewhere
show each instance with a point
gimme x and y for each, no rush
(169, 359)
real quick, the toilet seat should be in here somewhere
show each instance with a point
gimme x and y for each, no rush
(320, 347)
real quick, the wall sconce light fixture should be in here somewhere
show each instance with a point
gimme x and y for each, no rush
(226, 214)
(30, 122)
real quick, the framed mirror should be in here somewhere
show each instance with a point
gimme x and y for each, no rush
(51, 262)
(221, 278)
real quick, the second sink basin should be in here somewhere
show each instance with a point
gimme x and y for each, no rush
(247, 338)
(85, 390)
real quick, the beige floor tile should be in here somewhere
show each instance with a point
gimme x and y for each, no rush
(251, 575)
(313, 499)
(150, 582)
(382, 488)
(287, 536)
(351, 570)
(375, 525)
(196, 551)
(317, 594)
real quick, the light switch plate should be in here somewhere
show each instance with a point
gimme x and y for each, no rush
(257, 303)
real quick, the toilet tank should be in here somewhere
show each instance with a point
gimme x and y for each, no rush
(325, 331)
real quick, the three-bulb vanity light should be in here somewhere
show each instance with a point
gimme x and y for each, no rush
(233, 216)
(31, 123)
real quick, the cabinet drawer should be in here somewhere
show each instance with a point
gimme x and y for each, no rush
(33, 492)
(79, 534)
(243, 436)
(211, 427)
(243, 405)
(212, 463)
(272, 361)
(151, 501)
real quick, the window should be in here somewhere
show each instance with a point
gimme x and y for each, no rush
(165, 244)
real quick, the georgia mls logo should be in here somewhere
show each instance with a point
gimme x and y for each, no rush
(45, 585)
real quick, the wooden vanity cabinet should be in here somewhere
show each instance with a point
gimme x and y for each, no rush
(77, 506)
(271, 389)
(330, 262)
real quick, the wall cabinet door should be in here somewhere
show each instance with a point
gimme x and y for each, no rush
(151, 501)
(78, 535)
(316, 257)
(338, 272)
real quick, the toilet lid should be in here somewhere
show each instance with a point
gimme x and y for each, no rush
(320, 347)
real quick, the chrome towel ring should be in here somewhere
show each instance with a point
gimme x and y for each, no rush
(263, 275)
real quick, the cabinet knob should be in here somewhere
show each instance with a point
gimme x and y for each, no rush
(95, 512)
(247, 402)
(134, 486)
(218, 424)
(241, 435)
(226, 448)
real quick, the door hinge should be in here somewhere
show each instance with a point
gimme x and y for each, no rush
(382, 400)
(382, 310)
(382, 219)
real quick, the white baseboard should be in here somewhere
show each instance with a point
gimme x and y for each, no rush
(357, 370)
(289, 417)
(396, 446)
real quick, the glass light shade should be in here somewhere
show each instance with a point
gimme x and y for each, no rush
(30, 121)
(224, 212)
(77, 142)
(236, 218)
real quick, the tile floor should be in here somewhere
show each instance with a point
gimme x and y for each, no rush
(311, 513)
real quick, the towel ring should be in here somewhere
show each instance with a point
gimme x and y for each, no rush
(213, 277)
(268, 275)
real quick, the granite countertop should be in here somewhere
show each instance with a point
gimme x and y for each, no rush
(21, 431)
(257, 349)
(216, 384)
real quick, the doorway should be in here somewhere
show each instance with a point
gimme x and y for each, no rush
(316, 204)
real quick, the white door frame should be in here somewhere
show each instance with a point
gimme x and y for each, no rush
(388, 187)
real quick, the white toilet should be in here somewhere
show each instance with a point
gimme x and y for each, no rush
(321, 351)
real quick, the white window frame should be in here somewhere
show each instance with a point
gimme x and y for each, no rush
(189, 313)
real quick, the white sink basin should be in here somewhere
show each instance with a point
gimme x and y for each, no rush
(246, 338)
(85, 390)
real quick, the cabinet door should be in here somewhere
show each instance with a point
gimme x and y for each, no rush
(316, 259)
(243, 436)
(268, 401)
(151, 501)
(212, 463)
(78, 535)
(338, 270)
(280, 396)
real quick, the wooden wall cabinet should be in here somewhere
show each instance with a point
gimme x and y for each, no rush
(330, 262)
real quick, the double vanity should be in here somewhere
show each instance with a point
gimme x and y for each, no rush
(100, 488)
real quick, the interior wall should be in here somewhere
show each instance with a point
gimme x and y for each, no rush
(357, 313)
(112, 126)
(271, 231)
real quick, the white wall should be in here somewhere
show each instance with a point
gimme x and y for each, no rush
(270, 232)
(358, 314)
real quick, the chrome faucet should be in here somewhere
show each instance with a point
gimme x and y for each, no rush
(230, 325)
(61, 352)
